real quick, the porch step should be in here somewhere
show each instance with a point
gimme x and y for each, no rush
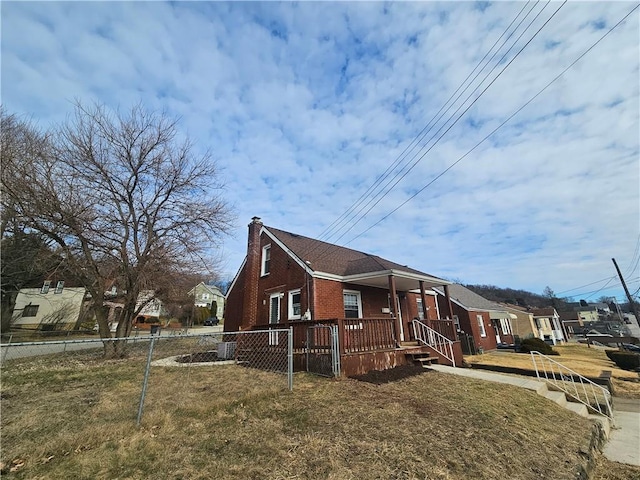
(421, 358)
(409, 344)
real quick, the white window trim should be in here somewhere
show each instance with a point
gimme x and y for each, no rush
(263, 258)
(483, 332)
(290, 304)
(359, 297)
(456, 322)
(418, 306)
(271, 297)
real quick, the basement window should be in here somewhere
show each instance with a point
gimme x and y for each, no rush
(266, 260)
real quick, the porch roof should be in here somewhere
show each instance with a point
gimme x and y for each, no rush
(404, 281)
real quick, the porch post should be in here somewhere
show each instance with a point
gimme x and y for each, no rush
(447, 298)
(394, 307)
(423, 296)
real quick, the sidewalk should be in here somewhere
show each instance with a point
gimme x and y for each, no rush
(623, 444)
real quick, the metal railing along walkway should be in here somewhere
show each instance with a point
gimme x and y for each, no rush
(596, 398)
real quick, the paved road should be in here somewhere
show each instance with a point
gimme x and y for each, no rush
(33, 349)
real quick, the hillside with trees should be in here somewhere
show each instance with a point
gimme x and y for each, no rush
(520, 297)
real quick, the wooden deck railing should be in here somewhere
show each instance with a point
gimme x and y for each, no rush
(446, 328)
(366, 334)
(356, 334)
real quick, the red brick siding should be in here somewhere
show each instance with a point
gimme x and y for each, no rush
(234, 304)
(285, 274)
(328, 298)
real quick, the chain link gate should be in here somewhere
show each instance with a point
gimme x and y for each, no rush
(323, 350)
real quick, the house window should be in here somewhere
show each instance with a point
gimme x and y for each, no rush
(205, 296)
(30, 311)
(294, 305)
(483, 333)
(274, 308)
(456, 322)
(266, 260)
(352, 304)
(59, 287)
(45, 286)
(420, 309)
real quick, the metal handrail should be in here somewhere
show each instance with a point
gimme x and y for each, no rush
(583, 386)
(428, 336)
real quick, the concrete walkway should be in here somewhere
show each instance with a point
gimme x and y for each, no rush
(623, 444)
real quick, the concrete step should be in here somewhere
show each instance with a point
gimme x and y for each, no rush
(557, 397)
(579, 408)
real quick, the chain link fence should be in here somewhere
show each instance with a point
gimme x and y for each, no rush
(166, 367)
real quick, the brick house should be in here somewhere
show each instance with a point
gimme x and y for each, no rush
(488, 322)
(291, 280)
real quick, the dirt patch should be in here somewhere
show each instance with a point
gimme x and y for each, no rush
(379, 377)
(198, 357)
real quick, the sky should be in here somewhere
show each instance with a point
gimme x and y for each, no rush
(306, 105)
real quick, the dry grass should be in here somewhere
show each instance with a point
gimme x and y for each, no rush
(586, 361)
(77, 420)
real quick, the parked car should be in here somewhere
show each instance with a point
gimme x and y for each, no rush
(211, 321)
(631, 347)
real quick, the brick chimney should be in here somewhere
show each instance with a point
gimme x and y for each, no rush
(252, 274)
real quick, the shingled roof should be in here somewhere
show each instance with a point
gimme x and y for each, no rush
(470, 299)
(328, 258)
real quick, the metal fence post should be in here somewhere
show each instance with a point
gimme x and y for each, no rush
(146, 380)
(290, 358)
(6, 349)
(335, 350)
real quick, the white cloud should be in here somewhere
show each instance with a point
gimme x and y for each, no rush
(304, 105)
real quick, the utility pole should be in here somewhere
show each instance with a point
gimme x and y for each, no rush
(626, 290)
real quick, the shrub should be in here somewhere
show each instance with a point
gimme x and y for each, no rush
(625, 360)
(536, 345)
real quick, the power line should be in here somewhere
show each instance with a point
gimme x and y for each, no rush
(327, 232)
(328, 248)
(498, 127)
(399, 176)
(456, 120)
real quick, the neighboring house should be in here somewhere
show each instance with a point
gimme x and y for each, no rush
(587, 314)
(571, 322)
(548, 324)
(522, 321)
(488, 322)
(152, 309)
(292, 280)
(208, 296)
(601, 307)
(53, 306)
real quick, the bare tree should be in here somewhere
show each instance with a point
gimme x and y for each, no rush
(25, 255)
(124, 198)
